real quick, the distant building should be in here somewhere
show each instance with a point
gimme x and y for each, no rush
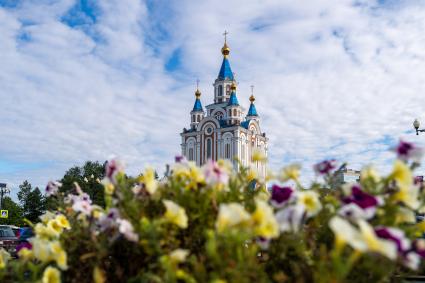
(345, 176)
(224, 130)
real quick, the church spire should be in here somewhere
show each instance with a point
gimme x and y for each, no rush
(198, 105)
(233, 100)
(252, 112)
(225, 70)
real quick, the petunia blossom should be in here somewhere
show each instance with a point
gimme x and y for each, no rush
(281, 195)
(325, 167)
(52, 188)
(408, 151)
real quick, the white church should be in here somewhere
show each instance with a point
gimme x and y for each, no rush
(222, 130)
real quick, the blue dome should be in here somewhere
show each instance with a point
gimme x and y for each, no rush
(252, 110)
(233, 100)
(225, 70)
(197, 106)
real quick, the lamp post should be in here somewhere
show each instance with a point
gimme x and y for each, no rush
(416, 125)
(3, 190)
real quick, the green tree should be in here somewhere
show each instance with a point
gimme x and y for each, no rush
(88, 177)
(15, 213)
(32, 201)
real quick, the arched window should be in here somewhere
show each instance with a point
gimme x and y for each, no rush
(218, 116)
(220, 90)
(209, 149)
(193, 118)
(234, 112)
(199, 118)
(227, 151)
(191, 154)
(228, 89)
(243, 151)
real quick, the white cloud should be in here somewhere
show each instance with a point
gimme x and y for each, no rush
(332, 79)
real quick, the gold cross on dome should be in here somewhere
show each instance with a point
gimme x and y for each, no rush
(197, 83)
(252, 89)
(225, 35)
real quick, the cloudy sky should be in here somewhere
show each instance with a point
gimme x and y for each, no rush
(84, 80)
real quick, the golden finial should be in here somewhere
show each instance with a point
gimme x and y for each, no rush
(233, 86)
(252, 98)
(225, 50)
(197, 92)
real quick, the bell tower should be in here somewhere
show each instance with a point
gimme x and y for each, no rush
(223, 83)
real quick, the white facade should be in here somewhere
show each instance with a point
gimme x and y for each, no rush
(223, 130)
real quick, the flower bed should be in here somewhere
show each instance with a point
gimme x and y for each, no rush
(213, 224)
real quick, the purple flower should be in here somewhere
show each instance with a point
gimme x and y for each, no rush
(325, 167)
(23, 245)
(281, 195)
(395, 235)
(113, 167)
(180, 159)
(52, 188)
(361, 198)
(419, 247)
(408, 151)
(263, 243)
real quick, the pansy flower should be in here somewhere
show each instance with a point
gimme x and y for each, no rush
(325, 167)
(408, 151)
(281, 195)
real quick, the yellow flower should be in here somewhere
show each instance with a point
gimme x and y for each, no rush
(252, 174)
(4, 258)
(405, 215)
(310, 201)
(231, 215)
(62, 221)
(402, 173)
(175, 214)
(148, 178)
(59, 255)
(291, 172)
(55, 226)
(25, 254)
(363, 239)
(408, 194)
(51, 275)
(109, 188)
(195, 177)
(99, 275)
(264, 220)
(178, 255)
(41, 249)
(48, 215)
(258, 155)
(369, 172)
(43, 231)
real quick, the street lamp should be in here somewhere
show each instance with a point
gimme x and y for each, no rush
(416, 125)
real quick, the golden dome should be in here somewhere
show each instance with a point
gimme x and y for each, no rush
(197, 93)
(252, 98)
(225, 50)
(233, 86)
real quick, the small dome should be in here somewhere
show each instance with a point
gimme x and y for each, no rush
(225, 50)
(252, 98)
(233, 86)
(197, 93)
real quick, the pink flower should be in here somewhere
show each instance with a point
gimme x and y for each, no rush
(214, 174)
(113, 167)
(52, 188)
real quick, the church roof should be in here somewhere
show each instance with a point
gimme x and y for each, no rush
(233, 100)
(225, 70)
(197, 106)
(252, 110)
(245, 124)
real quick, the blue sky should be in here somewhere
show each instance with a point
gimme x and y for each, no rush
(86, 80)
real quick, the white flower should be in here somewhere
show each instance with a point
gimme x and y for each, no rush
(179, 255)
(310, 201)
(127, 230)
(290, 218)
(353, 211)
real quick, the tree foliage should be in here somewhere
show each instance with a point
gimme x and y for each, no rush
(32, 201)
